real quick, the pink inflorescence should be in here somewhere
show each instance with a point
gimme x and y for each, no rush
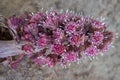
(54, 37)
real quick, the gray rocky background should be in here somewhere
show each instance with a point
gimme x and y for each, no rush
(106, 67)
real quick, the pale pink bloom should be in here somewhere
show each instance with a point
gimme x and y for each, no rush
(41, 61)
(58, 34)
(27, 37)
(37, 17)
(70, 56)
(28, 48)
(51, 20)
(77, 39)
(92, 51)
(98, 24)
(96, 38)
(71, 27)
(42, 40)
(58, 49)
(14, 22)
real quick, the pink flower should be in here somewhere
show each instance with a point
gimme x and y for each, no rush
(91, 51)
(42, 40)
(57, 37)
(51, 21)
(58, 34)
(97, 24)
(105, 46)
(65, 17)
(14, 22)
(71, 27)
(96, 38)
(28, 48)
(32, 27)
(37, 17)
(53, 59)
(70, 56)
(58, 49)
(27, 37)
(76, 39)
(41, 61)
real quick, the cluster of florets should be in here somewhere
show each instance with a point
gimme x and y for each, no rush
(55, 37)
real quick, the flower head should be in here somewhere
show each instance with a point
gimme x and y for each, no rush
(37, 17)
(70, 56)
(76, 39)
(27, 37)
(51, 20)
(42, 40)
(58, 49)
(14, 22)
(98, 24)
(58, 34)
(58, 37)
(96, 38)
(41, 60)
(71, 27)
(91, 51)
(28, 48)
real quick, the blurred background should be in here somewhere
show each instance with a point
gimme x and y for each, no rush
(106, 67)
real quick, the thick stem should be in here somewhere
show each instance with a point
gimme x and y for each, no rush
(9, 48)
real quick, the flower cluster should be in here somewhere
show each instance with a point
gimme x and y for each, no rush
(55, 37)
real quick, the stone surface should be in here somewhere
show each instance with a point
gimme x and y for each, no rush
(106, 67)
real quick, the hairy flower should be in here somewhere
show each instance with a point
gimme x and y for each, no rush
(58, 49)
(42, 40)
(96, 38)
(51, 21)
(71, 27)
(70, 56)
(28, 48)
(27, 37)
(41, 61)
(91, 51)
(14, 22)
(98, 24)
(37, 17)
(31, 26)
(57, 37)
(76, 39)
(58, 34)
